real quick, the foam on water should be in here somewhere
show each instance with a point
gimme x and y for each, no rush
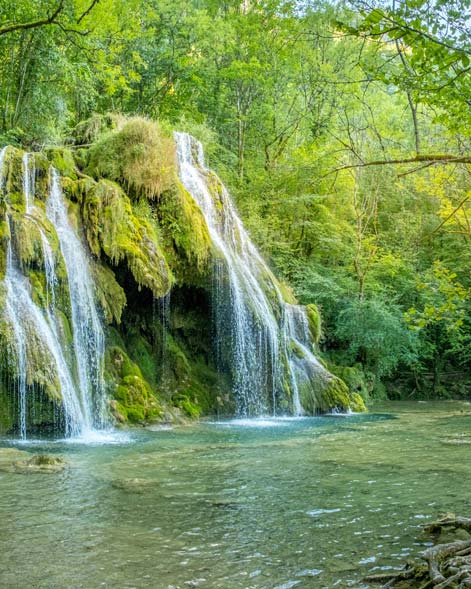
(100, 438)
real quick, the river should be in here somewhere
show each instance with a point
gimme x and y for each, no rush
(271, 503)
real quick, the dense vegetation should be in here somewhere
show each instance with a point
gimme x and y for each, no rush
(342, 130)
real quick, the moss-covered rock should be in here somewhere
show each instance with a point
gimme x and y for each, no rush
(139, 153)
(315, 323)
(109, 292)
(88, 131)
(133, 400)
(5, 237)
(357, 405)
(185, 227)
(123, 232)
(63, 161)
(352, 375)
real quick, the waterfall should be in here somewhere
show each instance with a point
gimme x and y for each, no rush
(77, 373)
(88, 337)
(268, 340)
(31, 328)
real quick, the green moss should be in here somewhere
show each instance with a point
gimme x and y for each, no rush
(287, 293)
(184, 224)
(315, 323)
(336, 395)
(194, 386)
(42, 168)
(26, 240)
(139, 153)
(75, 190)
(133, 398)
(37, 281)
(13, 174)
(63, 161)
(177, 358)
(189, 407)
(109, 293)
(7, 409)
(142, 353)
(356, 403)
(297, 350)
(4, 241)
(112, 227)
(353, 376)
(65, 330)
(90, 130)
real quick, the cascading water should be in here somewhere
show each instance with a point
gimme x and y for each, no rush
(244, 316)
(31, 328)
(28, 180)
(303, 367)
(268, 339)
(89, 342)
(78, 372)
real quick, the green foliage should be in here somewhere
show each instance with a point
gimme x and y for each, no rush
(443, 298)
(292, 112)
(375, 333)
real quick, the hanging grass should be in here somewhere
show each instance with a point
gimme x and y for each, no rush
(139, 154)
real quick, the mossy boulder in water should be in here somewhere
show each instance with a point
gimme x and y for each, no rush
(329, 393)
(17, 461)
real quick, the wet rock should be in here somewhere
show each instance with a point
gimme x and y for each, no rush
(18, 461)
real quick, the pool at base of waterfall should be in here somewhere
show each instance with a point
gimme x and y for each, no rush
(271, 503)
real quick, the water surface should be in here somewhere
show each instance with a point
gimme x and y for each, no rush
(274, 503)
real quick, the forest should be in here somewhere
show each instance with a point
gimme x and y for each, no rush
(342, 130)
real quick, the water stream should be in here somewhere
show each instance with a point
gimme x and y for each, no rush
(311, 503)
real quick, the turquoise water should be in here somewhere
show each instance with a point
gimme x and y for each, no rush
(276, 503)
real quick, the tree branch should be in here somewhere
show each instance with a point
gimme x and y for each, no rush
(35, 23)
(87, 12)
(431, 159)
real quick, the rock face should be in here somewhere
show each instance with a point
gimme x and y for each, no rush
(152, 259)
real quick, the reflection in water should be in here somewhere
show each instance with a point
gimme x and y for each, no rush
(306, 503)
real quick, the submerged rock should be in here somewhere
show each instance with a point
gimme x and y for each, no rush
(18, 461)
